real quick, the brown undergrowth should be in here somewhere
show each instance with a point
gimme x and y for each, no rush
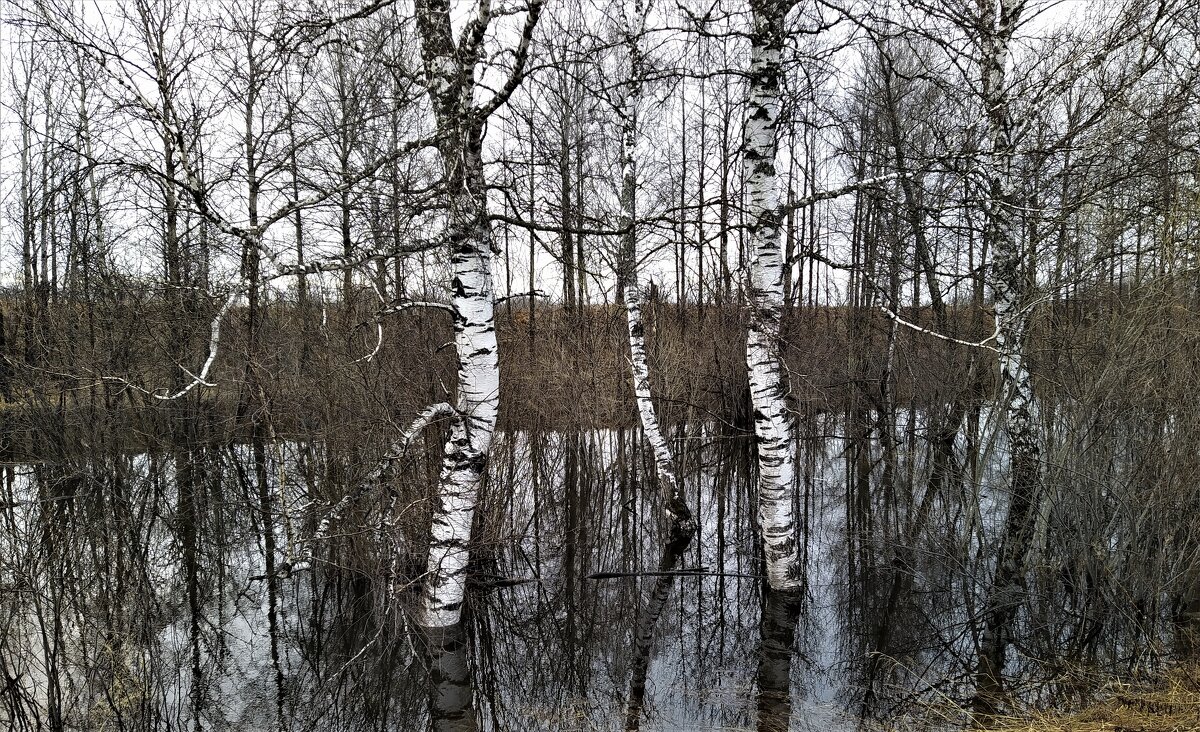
(1169, 702)
(324, 372)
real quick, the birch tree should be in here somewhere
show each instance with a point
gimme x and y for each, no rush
(682, 524)
(633, 16)
(998, 21)
(769, 385)
(1010, 232)
(451, 66)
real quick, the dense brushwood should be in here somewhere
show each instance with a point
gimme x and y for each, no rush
(569, 368)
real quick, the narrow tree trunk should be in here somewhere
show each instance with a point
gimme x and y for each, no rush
(532, 243)
(682, 525)
(1009, 285)
(725, 286)
(565, 203)
(664, 461)
(701, 170)
(769, 388)
(5, 369)
(581, 289)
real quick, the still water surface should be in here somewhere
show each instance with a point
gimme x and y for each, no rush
(137, 593)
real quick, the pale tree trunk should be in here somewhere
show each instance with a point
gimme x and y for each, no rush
(28, 247)
(769, 387)
(682, 525)
(465, 460)
(664, 462)
(450, 72)
(1009, 285)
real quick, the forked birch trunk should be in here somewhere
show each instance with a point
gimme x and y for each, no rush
(769, 387)
(450, 69)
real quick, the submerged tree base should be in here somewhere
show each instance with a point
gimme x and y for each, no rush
(780, 613)
(452, 707)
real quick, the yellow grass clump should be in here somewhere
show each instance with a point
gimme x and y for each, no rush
(1171, 703)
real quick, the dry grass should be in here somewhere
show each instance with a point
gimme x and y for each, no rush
(1171, 703)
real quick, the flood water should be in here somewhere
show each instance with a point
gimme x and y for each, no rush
(150, 591)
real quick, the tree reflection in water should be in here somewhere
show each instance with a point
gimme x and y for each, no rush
(133, 588)
(451, 707)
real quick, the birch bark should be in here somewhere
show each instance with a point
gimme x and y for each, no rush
(450, 69)
(1009, 287)
(682, 522)
(769, 387)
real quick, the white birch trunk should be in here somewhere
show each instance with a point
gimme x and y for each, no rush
(450, 69)
(1006, 594)
(769, 388)
(682, 522)
(465, 460)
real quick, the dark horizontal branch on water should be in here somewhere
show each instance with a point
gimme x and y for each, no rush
(518, 295)
(696, 572)
(288, 570)
(489, 580)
